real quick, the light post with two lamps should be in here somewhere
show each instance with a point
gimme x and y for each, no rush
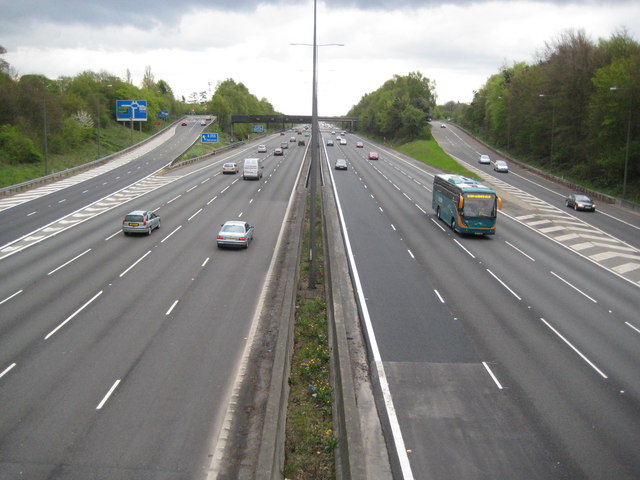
(315, 148)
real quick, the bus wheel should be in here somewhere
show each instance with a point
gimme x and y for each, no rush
(438, 213)
(453, 224)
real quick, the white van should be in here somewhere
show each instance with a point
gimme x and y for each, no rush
(252, 168)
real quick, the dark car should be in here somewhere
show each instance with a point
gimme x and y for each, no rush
(301, 142)
(140, 221)
(184, 124)
(580, 202)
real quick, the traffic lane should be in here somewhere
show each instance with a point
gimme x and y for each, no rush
(415, 235)
(420, 407)
(613, 220)
(497, 324)
(39, 273)
(27, 217)
(571, 398)
(42, 267)
(151, 275)
(568, 295)
(410, 323)
(111, 344)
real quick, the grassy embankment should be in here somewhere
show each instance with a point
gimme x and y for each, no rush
(430, 152)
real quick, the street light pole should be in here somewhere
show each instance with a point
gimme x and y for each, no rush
(315, 149)
(314, 157)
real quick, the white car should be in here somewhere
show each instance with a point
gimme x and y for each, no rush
(230, 167)
(262, 149)
(484, 160)
(343, 141)
(500, 166)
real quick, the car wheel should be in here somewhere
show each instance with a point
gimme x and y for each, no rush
(575, 207)
(158, 227)
(566, 202)
(149, 230)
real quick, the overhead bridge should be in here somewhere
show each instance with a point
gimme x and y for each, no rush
(282, 120)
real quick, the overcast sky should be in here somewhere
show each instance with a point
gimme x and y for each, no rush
(194, 44)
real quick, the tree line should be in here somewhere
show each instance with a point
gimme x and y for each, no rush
(573, 112)
(68, 111)
(399, 109)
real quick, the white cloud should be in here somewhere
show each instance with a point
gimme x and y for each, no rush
(459, 45)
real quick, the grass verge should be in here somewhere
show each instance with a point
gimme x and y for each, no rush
(429, 151)
(113, 138)
(310, 440)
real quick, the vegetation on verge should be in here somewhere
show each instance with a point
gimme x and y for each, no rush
(430, 152)
(310, 440)
(574, 113)
(50, 125)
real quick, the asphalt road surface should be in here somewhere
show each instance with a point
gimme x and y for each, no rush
(509, 356)
(118, 353)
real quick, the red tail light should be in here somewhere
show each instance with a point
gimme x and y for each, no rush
(144, 221)
(242, 238)
(219, 237)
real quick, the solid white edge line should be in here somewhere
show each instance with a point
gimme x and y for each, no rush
(134, 264)
(73, 315)
(602, 374)
(401, 451)
(11, 296)
(495, 379)
(573, 286)
(504, 284)
(68, 262)
(109, 393)
(7, 370)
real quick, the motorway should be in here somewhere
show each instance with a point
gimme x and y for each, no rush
(508, 356)
(118, 353)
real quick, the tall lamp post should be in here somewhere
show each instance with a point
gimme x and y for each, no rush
(315, 149)
(626, 151)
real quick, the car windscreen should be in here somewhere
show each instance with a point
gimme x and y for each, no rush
(134, 218)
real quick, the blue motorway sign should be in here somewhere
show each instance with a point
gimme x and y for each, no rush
(209, 138)
(135, 110)
(258, 128)
(163, 114)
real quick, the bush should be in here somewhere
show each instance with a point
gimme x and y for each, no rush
(15, 148)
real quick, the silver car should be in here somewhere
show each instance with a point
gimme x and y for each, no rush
(484, 159)
(500, 166)
(140, 221)
(235, 234)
